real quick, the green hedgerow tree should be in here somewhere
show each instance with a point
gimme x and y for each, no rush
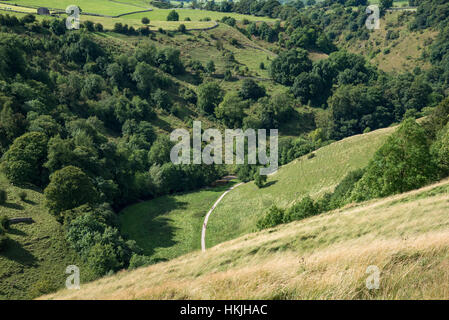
(69, 188)
(173, 16)
(182, 28)
(403, 163)
(23, 162)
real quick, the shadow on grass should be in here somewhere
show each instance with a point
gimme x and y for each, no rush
(16, 252)
(31, 202)
(269, 184)
(16, 232)
(147, 224)
(13, 206)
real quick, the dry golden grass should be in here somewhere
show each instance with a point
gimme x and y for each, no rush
(323, 257)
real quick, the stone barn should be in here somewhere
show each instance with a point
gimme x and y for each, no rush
(43, 11)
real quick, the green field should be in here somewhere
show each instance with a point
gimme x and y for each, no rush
(37, 254)
(238, 213)
(169, 226)
(323, 257)
(105, 7)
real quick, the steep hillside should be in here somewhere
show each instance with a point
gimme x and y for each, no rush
(37, 254)
(393, 47)
(169, 226)
(405, 236)
(238, 212)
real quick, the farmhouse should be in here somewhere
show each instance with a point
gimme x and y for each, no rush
(43, 11)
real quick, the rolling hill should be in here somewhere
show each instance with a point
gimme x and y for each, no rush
(324, 257)
(238, 212)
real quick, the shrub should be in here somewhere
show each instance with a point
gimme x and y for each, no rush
(102, 259)
(3, 196)
(42, 287)
(98, 27)
(145, 20)
(4, 223)
(138, 261)
(259, 180)
(305, 208)
(274, 217)
(173, 16)
(182, 28)
(22, 195)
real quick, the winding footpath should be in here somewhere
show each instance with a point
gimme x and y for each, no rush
(203, 233)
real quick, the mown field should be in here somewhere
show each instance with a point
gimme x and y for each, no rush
(105, 7)
(158, 17)
(323, 257)
(37, 254)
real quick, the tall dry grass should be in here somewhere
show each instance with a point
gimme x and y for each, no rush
(323, 257)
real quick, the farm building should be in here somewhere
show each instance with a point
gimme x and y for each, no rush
(43, 11)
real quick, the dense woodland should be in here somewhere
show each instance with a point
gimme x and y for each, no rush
(77, 115)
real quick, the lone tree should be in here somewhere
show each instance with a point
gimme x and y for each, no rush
(69, 188)
(145, 20)
(182, 28)
(259, 179)
(173, 16)
(210, 67)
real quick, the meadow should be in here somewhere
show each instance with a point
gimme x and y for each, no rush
(322, 257)
(169, 226)
(105, 7)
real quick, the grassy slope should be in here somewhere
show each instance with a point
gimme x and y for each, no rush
(323, 257)
(169, 226)
(178, 219)
(404, 52)
(37, 254)
(237, 214)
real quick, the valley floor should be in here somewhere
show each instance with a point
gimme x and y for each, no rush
(323, 257)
